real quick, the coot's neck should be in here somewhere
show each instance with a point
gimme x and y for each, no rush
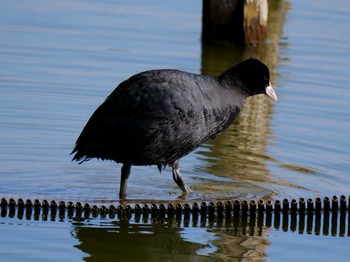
(230, 79)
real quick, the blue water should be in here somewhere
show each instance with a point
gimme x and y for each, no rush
(310, 124)
(60, 60)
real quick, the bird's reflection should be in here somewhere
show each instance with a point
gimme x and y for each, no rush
(110, 236)
(240, 235)
(124, 241)
(169, 239)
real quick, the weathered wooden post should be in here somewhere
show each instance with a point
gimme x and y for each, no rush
(241, 21)
(255, 21)
(222, 21)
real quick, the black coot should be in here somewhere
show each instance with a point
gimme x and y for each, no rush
(156, 117)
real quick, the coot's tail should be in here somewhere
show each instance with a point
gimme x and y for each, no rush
(86, 152)
(80, 156)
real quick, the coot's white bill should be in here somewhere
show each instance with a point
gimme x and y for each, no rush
(271, 93)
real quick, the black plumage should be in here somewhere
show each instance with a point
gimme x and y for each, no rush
(156, 117)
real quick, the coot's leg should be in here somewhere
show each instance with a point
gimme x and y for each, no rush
(178, 178)
(124, 180)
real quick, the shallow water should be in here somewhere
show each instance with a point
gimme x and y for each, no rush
(59, 61)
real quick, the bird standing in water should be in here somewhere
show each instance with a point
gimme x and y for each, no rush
(157, 117)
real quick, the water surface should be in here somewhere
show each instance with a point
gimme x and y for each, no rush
(60, 60)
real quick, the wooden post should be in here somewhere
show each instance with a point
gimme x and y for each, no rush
(240, 21)
(255, 21)
(222, 21)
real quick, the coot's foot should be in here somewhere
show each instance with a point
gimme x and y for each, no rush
(178, 178)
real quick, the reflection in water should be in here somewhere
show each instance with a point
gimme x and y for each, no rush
(240, 152)
(134, 242)
(159, 242)
(149, 236)
(238, 236)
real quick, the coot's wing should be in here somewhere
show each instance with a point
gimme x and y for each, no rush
(142, 121)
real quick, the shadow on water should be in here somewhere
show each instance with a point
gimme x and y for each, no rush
(240, 153)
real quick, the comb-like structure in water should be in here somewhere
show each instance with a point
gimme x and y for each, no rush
(327, 216)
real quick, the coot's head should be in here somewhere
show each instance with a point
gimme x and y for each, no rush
(253, 77)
